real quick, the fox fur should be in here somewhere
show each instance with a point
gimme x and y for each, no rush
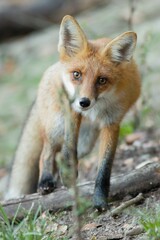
(102, 81)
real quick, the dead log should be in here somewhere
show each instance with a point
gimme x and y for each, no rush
(19, 19)
(140, 180)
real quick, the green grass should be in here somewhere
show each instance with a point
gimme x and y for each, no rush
(33, 227)
(150, 220)
(25, 230)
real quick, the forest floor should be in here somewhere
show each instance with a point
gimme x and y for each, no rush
(24, 60)
(22, 63)
(143, 148)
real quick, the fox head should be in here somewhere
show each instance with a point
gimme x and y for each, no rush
(92, 70)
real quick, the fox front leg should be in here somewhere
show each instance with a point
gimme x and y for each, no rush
(47, 169)
(108, 144)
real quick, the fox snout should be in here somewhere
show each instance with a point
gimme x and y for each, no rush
(84, 102)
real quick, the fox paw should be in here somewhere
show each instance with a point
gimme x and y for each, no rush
(46, 184)
(100, 202)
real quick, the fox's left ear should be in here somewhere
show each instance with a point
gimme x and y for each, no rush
(72, 39)
(122, 47)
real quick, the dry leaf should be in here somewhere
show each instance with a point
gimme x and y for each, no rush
(90, 226)
(51, 227)
(93, 238)
(62, 229)
(3, 172)
(56, 228)
(131, 138)
(129, 162)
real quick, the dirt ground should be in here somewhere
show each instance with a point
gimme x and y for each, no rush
(139, 149)
(144, 148)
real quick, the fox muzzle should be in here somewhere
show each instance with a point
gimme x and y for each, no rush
(84, 102)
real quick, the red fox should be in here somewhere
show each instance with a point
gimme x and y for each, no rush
(103, 82)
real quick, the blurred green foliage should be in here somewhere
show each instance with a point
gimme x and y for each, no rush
(126, 128)
(150, 220)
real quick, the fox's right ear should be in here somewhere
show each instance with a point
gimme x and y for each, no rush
(72, 39)
(122, 47)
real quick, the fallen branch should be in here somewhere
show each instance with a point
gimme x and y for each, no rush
(126, 204)
(140, 180)
(19, 19)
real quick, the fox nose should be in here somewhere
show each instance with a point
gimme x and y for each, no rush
(84, 102)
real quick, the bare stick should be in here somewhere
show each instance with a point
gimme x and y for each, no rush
(70, 132)
(126, 204)
(132, 10)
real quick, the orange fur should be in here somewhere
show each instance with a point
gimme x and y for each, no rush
(102, 82)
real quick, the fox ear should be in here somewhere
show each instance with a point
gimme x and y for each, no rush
(122, 47)
(72, 40)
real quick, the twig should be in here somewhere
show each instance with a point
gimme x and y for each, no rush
(72, 173)
(126, 204)
(132, 5)
(132, 10)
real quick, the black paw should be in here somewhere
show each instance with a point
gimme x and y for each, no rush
(100, 202)
(46, 184)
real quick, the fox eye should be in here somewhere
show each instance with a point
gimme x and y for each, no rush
(101, 80)
(77, 75)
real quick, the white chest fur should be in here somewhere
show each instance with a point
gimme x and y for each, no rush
(106, 111)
